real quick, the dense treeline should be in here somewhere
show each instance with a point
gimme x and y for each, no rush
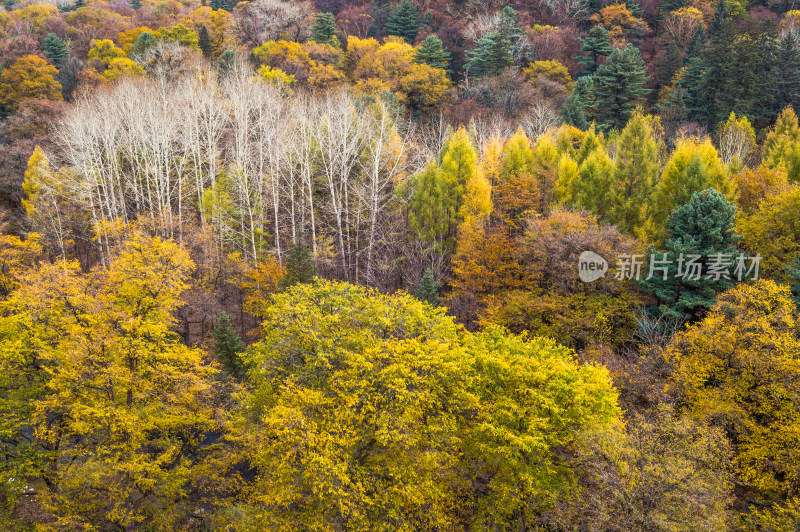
(214, 217)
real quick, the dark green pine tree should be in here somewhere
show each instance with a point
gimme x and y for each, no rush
(404, 21)
(80, 3)
(509, 29)
(228, 346)
(787, 85)
(767, 73)
(145, 41)
(204, 42)
(136, 4)
(491, 55)
(426, 291)
(55, 49)
(793, 273)
(634, 7)
(324, 29)
(597, 44)
(300, 266)
(729, 65)
(218, 4)
(704, 227)
(619, 86)
(670, 62)
(573, 112)
(432, 52)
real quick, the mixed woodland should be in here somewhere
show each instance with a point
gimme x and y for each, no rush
(313, 265)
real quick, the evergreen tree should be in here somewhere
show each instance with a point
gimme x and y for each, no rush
(227, 346)
(80, 3)
(491, 55)
(404, 21)
(300, 266)
(635, 175)
(145, 41)
(634, 7)
(597, 44)
(704, 227)
(573, 112)
(787, 85)
(426, 291)
(55, 49)
(509, 29)
(431, 52)
(324, 30)
(218, 4)
(136, 4)
(619, 86)
(204, 42)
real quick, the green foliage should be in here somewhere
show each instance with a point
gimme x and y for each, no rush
(204, 42)
(404, 21)
(426, 291)
(145, 40)
(136, 4)
(573, 112)
(227, 345)
(635, 175)
(619, 86)
(491, 55)
(300, 267)
(55, 49)
(324, 30)
(431, 52)
(597, 44)
(703, 227)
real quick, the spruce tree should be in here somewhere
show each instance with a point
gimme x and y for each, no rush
(634, 7)
(324, 30)
(404, 21)
(300, 266)
(431, 52)
(218, 4)
(619, 86)
(703, 227)
(204, 42)
(597, 44)
(573, 112)
(136, 4)
(426, 291)
(145, 40)
(80, 3)
(509, 29)
(227, 346)
(788, 78)
(55, 49)
(491, 55)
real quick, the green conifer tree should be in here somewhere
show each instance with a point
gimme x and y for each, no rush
(218, 4)
(426, 291)
(597, 44)
(324, 30)
(491, 55)
(703, 227)
(404, 21)
(300, 267)
(431, 52)
(793, 273)
(136, 4)
(204, 42)
(226, 61)
(573, 112)
(619, 86)
(55, 49)
(227, 346)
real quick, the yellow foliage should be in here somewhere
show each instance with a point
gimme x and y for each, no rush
(29, 77)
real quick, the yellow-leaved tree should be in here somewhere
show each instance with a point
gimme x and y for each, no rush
(377, 412)
(103, 408)
(740, 368)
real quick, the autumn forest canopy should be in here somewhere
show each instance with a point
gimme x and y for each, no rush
(356, 265)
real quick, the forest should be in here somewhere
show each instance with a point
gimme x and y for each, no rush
(367, 265)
